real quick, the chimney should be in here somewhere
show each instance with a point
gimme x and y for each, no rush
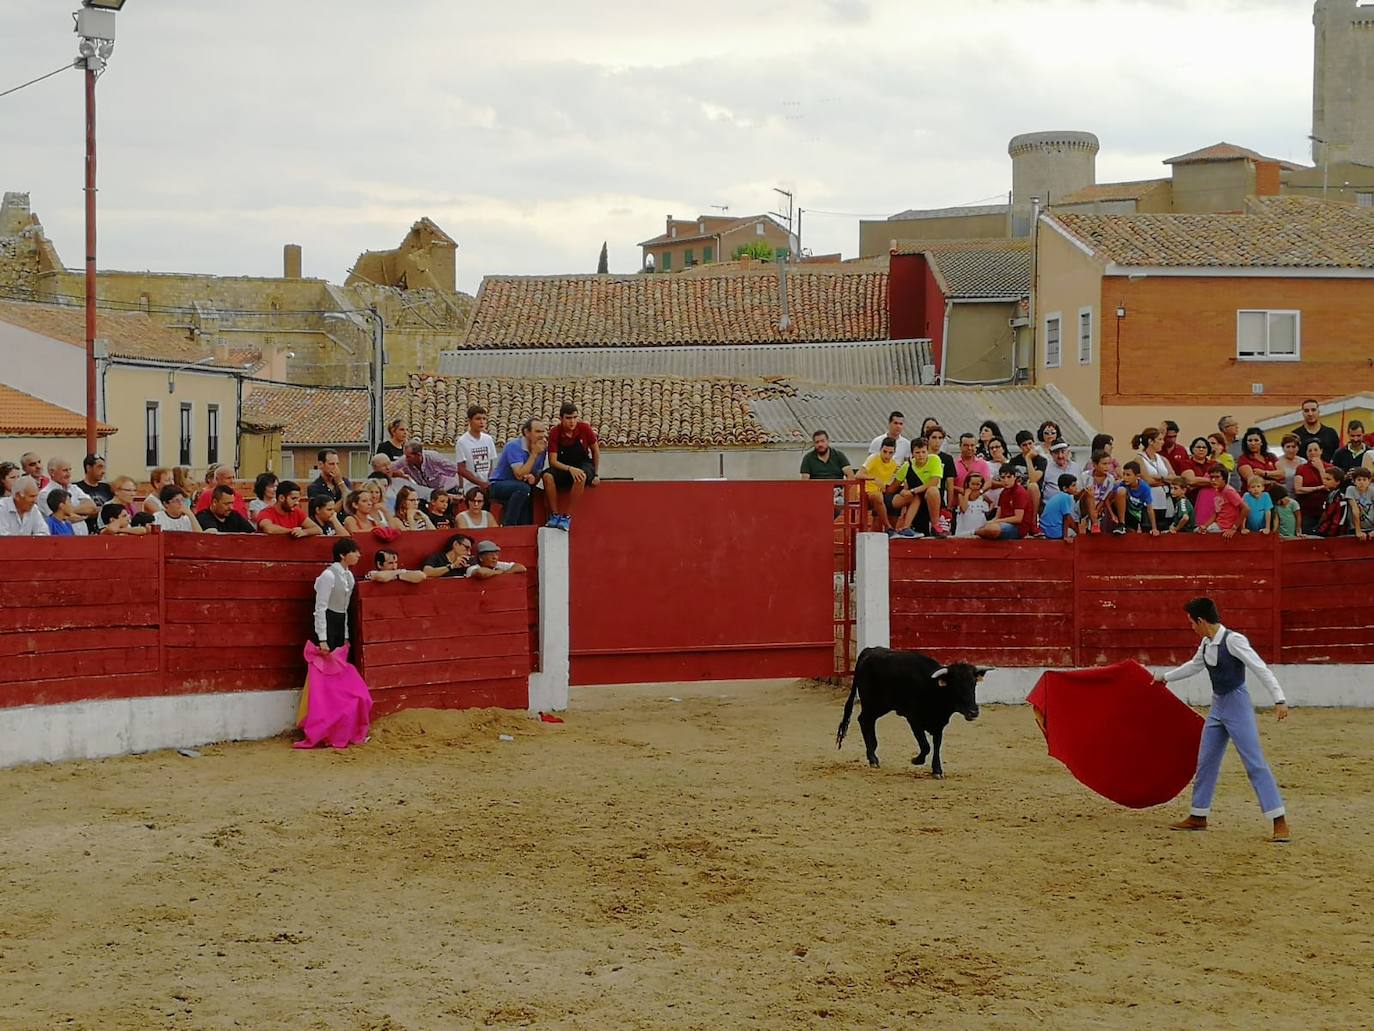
(1267, 179)
(291, 261)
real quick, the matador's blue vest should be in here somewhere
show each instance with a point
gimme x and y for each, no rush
(1229, 672)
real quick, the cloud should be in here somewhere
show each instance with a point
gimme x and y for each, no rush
(532, 131)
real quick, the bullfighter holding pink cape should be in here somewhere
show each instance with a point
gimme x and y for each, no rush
(337, 706)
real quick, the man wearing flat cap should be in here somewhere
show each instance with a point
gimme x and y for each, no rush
(489, 562)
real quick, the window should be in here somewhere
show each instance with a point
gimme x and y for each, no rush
(359, 465)
(708, 255)
(758, 228)
(688, 259)
(665, 261)
(1274, 336)
(1364, 200)
(211, 434)
(152, 448)
(184, 450)
(1085, 336)
(1052, 341)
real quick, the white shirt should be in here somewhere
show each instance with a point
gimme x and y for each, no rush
(1240, 648)
(333, 591)
(966, 524)
(500, 567)
(1159, 467)
(182, 524)
(79, 497)
(478, 454)
(1052, 473)
(903, 452)
(12, 524)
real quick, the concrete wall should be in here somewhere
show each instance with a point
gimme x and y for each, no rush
(709, 464)
(72, 447)
(127, 389)
(1341, 181)
(1048, 165)
(875, 237)
(43, 367)
(981, 343)
(1213, 186)
(1070, 280)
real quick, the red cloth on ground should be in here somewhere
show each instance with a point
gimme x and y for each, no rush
(1118, 732)
(338, 706)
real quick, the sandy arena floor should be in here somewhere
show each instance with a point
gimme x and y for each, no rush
(704, 863)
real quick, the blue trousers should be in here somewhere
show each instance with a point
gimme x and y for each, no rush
(1233, 719)
(514, 496)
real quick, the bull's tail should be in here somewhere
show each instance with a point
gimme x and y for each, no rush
(849, 703)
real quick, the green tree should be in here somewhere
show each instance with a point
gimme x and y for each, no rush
(603, 265)
(760, 249)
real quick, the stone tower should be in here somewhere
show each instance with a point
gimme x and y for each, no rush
(1048, 165)
(1343, 82)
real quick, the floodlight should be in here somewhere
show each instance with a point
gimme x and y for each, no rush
(104, 5)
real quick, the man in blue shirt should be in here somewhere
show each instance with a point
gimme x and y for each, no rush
(517, 473)
(1058, 521)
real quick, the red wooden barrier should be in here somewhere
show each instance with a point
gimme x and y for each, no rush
(445, 644)
(78, 619)
(1103, 599)
(706, 580)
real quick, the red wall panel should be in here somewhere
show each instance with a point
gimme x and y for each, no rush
(706, 580)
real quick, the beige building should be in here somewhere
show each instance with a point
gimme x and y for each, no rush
(711, 238)
(308, 330)
(174, 400)
(285, 427)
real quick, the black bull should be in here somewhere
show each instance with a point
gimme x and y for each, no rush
(915, 686)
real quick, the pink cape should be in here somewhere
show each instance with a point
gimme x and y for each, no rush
(339, 706)
(1121, 734)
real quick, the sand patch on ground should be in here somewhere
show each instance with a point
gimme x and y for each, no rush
(711, 862)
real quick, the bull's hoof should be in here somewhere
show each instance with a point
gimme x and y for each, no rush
(938, 776)
(872, 761)
(920, 760)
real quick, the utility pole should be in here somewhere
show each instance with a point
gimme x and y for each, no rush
(787, 217)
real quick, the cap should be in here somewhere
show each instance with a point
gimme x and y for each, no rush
(487, 547)
(1059, 445)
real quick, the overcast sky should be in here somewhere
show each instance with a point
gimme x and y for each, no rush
(532, 130)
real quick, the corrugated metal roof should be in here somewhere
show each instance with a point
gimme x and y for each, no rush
(877, 363)
(858, 415)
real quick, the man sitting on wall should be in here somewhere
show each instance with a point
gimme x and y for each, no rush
(220, 516)
(427, 469)
(331, 482)
(489, 562)
(517, 473)
(574, 456)
(286, 517)
(222, 476)
(19, 514)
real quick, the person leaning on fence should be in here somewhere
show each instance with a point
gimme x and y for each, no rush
(1058, 521)
(115, 521)
(220, 516)
(324, 513)
(1012, 505)
(286, 517)
(518, 472)
(1360, 495)
(1335, 515)
(1225, 505)
(60, 515)
(388, 568)
(1257, 507)
(60, 476)
(1287, 514)
(93, 485)
(1140, 510)
(175, 516)
(489, 562)
(1184, 519)
(574, 462)
(454, 560)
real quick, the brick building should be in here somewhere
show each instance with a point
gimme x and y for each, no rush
(1143, 317)
(711, 238)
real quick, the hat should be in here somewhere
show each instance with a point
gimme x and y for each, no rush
(1059, 445)
(487, 547)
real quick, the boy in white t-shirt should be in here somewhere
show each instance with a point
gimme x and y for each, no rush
(475, 453)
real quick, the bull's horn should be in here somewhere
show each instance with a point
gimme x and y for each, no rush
(943, 671)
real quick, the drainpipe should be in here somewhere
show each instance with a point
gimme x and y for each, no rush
(1033, 306)
(944, 341)
(784, 323)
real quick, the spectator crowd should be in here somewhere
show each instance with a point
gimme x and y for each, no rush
(410, 487)
(1228, 483)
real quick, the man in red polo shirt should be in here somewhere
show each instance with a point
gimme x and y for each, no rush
(1013, 510)
(574, 463)
(1175, 452)
(223, 477)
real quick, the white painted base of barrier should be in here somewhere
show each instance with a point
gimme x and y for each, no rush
(549, 685)
(96, 730)
(1314, 686)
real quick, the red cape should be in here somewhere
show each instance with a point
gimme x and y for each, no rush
(1118, 732)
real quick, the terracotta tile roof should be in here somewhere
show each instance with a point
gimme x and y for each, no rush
(23, 415)
(626, 412)
(612, 311)
(314, 416)
(714, 225)
(1226, 152)
(1002, 243)
(1134, 190)
(1275, 232)
(130, 334)
(982, 273)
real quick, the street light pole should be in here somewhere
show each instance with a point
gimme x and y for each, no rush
(377, 422)
(95, 24)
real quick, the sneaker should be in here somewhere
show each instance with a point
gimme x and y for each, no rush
(552, 524)
(891, 533)
(1120, 531)
(908, 533)
(565, 523)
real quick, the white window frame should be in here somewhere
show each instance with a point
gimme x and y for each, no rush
(155, 407)
(1085, 357)
(184, 407)
(212, 432)
(1266, 357)
(1058, 321)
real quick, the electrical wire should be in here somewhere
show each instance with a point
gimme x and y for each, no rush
(22, 85)
(157, 309)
